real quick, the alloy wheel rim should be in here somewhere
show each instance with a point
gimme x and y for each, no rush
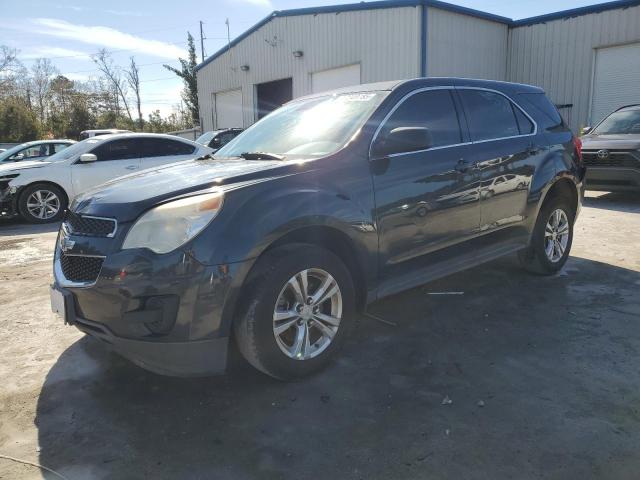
(556, 235)
(43, 204)
(307, 314)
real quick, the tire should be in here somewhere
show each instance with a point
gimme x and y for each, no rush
(269, 290)
(51, 206)
(536, 258)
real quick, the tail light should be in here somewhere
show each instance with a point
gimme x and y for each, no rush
(578, 144)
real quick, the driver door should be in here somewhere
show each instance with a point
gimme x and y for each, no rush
(115, 158)
(426, 199)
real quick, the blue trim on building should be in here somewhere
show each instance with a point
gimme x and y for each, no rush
(382, 4)
(575, 12)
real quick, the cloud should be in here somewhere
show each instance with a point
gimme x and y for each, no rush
(266, 4)
(49, 52)
(106, 37)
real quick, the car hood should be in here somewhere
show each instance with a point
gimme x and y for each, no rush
(611, 142)
(126, 197)
(11, 167)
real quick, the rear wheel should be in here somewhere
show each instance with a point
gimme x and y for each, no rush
(42, 203)
(552, 238)
(298, 310)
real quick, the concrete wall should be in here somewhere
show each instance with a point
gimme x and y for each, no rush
(559, 55)
(465, 46)
(385, 42)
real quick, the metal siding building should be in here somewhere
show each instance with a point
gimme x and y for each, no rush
(309, 49)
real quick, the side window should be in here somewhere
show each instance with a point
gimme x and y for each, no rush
(432, 109)
(164, 147)
(524, 124)
(224, 138)
(547, 115)
(58, 147)
(123, 149)
(490, 115)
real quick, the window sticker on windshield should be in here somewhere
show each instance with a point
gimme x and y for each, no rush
(93, 141)
(359, 97)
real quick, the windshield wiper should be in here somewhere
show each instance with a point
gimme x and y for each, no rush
(261, 156)
(207, 156)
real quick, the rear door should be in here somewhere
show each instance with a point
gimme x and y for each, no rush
(504, 152)
(428, 199)
(115, 158)
(160, 151)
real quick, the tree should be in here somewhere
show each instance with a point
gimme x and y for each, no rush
(9, 65)
(133, 79)
(112, 73)
(188, 74)
(17, 123)
(42, 72)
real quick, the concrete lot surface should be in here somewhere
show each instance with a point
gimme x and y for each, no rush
(542, 374)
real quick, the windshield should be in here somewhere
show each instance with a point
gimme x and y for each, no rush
(76, 149)
(205, 138)
(4, 156)
(623, 122)
(308, 128)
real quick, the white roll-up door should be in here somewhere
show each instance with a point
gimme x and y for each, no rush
(616, 80)
(228, 108)
(335, 78)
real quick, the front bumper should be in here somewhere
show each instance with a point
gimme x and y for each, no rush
(613, 179)
(163, 312)
(8, 203)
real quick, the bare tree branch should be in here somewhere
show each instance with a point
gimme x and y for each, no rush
(133, 79)
(103, 60)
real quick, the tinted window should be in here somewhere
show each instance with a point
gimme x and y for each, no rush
(163, 147)
(433, 109)
(524, 124)
(123, 149)
(222, 139)
(546, 111)
(489, 115)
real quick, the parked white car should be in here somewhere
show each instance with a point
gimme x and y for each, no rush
(36, 150)
(40, 190)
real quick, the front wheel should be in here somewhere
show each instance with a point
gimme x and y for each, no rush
(42, 203)
(299, 305)
(552, 238)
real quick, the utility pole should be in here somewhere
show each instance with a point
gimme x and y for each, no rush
(201, 42)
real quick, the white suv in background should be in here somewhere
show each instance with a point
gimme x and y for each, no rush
(40, 191)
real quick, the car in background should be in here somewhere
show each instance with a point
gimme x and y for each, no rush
(36, 150)
(612, 152)
(40, 190)
(105, 131)
(217, 139)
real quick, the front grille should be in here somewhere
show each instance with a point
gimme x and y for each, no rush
(78, 268)
(616, 158)
(89, 226)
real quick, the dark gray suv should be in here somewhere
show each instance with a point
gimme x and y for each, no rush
(331, 202)
(612, 152)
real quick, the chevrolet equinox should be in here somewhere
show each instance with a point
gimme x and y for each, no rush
(329, 203)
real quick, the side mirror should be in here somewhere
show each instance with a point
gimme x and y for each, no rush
(404, 140)
(88, 158)
(586, 130)
(18, 157)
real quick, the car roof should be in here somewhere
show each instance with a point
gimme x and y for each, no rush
(40, 142)
(629, 107)
(425, 82)
(140, 135)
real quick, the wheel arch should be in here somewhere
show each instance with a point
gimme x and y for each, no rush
(330, 238)
(43, 182)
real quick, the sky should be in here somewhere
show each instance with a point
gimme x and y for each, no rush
(154, 32)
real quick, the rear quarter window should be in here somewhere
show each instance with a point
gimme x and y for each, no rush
(541, 108)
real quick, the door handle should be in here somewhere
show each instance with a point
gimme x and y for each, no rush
(132, 167)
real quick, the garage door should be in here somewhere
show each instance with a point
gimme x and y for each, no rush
(335, 78)
(228, 108)
(616, 81)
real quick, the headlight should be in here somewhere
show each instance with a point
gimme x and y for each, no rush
(166, 227)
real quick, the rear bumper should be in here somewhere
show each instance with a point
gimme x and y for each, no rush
(612, 179)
